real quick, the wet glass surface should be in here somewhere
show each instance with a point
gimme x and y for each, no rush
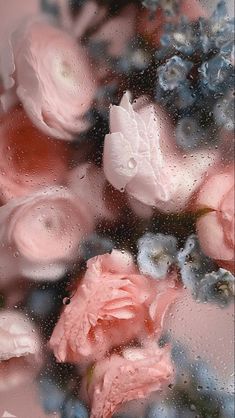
(116, 209)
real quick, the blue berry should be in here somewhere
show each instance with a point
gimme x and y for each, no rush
(179, 37)
(41, 302)
(189, 135)
(135, 58)
(218, 287)
(205, 380)
(73, 408)
(151, 4)
(179, 355)
(193, 264)
(169, 7)
(173, 410)
(95, 245)
(161, 410)
(50, 7)
(227, 409)
(155, 254)
(224, 112)
(221, 26)
(172, 74)
(216, 74)
(52, 397)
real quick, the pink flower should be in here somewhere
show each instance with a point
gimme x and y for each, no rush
(20, 346)
(53, 78)
(133, 375)
(29, 159)
(12, 14)
(216, 228)
(140, 157)
(113, 305)
(40, 234)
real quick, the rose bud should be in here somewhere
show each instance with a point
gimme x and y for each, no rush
(41, 233)
(216, 227)
(29, 159)
(135, 374)
(141, 157)
(20, 346)
(53, 78)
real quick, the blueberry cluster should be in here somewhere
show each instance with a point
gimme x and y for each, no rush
(169, 7)
(55, 399)
(196, 392)
(195, 76)
(158, 253)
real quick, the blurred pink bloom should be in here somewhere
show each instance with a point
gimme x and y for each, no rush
(40, 234)
(88, 183)
(20, 346)
(216, 228)
(140, 156)
(29, 159)
(133, 375)
(53, 78)
(113, 305)
(12, 13)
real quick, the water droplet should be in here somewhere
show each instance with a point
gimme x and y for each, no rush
(66, 301)
(132, 163)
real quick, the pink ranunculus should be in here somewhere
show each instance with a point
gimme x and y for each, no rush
(12, 14)
(53, 78)
(40, 234)
(112, 306)
(29, 159)
(20, 349)
(140, 156)
(216, 227)
(88, 183)
(133, 375)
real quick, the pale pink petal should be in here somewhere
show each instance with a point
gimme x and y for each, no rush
(140, 156)
(20, 349)
(41, 233)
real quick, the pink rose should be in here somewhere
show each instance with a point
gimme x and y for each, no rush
(20, 346)
(113, 305)
(53, 78)
(216, 228)
(133, 375)
(140, 156)
(29, 159)
(40, 234)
